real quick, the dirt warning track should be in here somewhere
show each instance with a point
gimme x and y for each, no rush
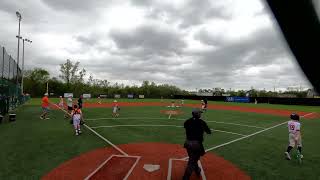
(259, 110)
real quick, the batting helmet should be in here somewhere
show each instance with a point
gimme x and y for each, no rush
(294, 116)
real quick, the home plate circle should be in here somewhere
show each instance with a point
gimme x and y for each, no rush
(151, 167)
(142, 163)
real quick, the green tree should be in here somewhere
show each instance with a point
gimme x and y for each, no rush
(71, 73)
(35, 81)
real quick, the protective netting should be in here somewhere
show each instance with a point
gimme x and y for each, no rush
(10, 83)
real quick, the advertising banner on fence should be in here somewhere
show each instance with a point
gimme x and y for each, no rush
(141, 96)
(103, 96)
(117, 96)
(238, 99)
(130, 96)
(86, 96)
(66, 95)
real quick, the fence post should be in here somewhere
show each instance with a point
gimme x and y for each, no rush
(2, 69)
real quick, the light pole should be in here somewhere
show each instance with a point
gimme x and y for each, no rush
(19, 37)
(22, 69)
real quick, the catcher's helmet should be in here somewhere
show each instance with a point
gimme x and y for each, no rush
(294, 116)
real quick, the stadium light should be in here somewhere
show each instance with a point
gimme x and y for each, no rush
(22, 69)
(18, 37)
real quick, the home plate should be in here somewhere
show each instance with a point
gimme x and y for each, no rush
(151, 167)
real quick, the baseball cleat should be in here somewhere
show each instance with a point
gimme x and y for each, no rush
(288, 157)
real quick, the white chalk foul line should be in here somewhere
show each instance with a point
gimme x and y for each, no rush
(236, 124)
(159, 125)
(245, 137)
(124, 118)
(131, 169)
(172, 119)
(105, 162)
(98, 168)
(228, 132)
(203, 176)
(307, 114)
(106, 140)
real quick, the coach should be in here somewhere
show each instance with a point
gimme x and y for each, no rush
(195, 128)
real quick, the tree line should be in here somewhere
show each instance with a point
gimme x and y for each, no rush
(71, 79)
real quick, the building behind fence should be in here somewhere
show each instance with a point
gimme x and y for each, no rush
(10, 81)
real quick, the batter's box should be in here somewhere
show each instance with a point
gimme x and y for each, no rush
(114, 168)
(177, 167)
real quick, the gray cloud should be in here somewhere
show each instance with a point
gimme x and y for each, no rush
(149, 40)
(261, 47)
(90, 40)
(158, 49)
(190, 13)
(76, 6)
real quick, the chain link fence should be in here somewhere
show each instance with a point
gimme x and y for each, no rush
(10, 83)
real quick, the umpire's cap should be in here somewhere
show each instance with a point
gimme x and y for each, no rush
(196, 113)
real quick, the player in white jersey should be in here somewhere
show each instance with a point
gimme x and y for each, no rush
(76, 119)
(115, 109)
(294, 128)
(61, 102)
(70, 106)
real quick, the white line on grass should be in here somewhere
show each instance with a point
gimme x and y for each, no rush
(307, 114)
(172, 119)
(159, 125)
(236, 124)
(228, 132)
(245, 137)
(106, 140)
(124, 118)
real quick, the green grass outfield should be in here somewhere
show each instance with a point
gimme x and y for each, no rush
(30, 147)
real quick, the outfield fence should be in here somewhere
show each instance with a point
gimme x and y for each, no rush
(10, 81)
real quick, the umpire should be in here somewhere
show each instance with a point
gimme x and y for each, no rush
(195, 127)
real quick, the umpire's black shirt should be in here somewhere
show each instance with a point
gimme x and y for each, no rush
(195, 129)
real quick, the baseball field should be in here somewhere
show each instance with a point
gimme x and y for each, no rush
(248, 142)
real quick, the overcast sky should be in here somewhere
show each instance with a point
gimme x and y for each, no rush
(189, 43)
